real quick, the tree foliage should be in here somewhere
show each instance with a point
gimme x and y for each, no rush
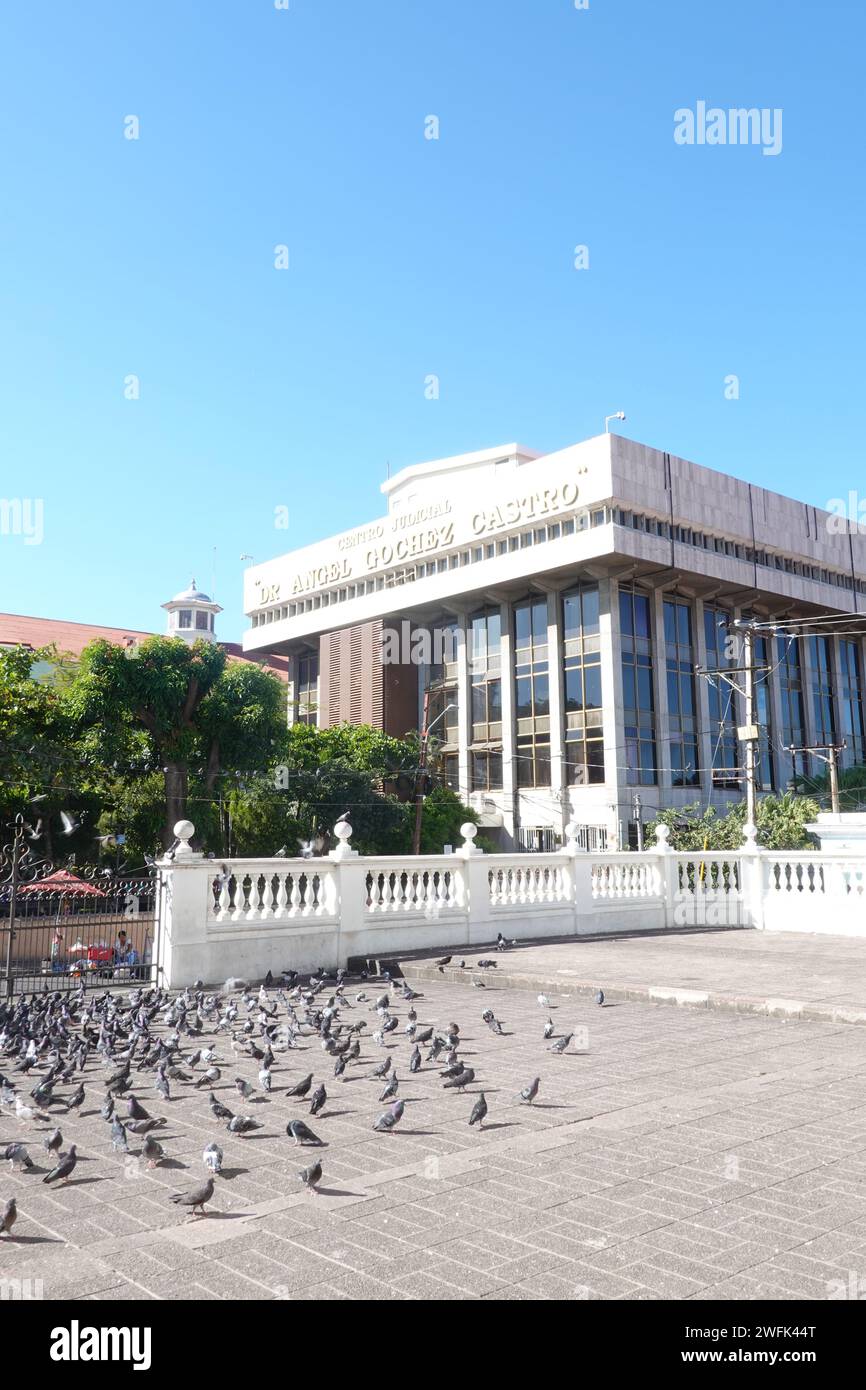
(780, 822)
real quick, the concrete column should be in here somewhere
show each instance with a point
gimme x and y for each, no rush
(615, 776)
(509, 767)
(557, 700)
(846, 758)
(464, 709)
(706, 739)
(781, 760)
(663, 727)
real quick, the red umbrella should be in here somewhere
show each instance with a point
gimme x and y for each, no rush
(62, 881)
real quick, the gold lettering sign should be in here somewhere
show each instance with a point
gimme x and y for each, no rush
(517, 509)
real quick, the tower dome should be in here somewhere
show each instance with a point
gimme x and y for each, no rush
(191, 615)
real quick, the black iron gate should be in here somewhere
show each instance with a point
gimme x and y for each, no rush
(61, 928)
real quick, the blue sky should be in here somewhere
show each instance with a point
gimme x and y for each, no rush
(261, 389)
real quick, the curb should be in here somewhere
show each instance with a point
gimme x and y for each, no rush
(417, 972)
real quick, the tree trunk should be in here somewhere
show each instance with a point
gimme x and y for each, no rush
(175, 799)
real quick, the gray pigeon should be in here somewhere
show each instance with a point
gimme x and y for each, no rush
(599, 998)
(467, 1075)
(311, 1177)
(143, 1126)
(9, 1217)
(135, 1111)
(212, 1158)
(65, 1166)
(415, 1059)
(479, 1112)
(562, 1043)
(318, 1100)
(391, 1089)
(53, 1142)
(198, 1197)
(152, 1151)
(17, 1153)
(531, 1091)
(118, 1137)
(302, 1134)
(302, 1087)
(242, 1124)
(389, 1118)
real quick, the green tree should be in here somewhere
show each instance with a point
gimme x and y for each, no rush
(196, 714)
(780, 822)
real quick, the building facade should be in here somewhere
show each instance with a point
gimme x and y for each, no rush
(556, 615)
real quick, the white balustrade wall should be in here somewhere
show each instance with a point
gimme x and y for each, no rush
(254, 915)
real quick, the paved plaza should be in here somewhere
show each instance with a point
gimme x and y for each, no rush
(680, 1153)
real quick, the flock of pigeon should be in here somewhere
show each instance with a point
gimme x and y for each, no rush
(146, 1040)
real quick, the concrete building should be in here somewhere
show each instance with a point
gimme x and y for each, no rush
(556, 611)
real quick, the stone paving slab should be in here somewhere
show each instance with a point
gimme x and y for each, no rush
(680, 1154)
(775, 974)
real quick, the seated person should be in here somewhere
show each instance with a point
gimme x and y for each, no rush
(124, 951)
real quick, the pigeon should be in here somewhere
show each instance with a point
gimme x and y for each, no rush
(302, 1087)
(53, 1142)
(311, 1177)
(446, 960)
(65, 1165)
(561, 1043)
(544, 1001)
(424, 1036)
(391, 1089)
(466, 1076)
(415, 1059)
(143, 1126)
(389, 1118)
(213, 1158)
(479, 1112)
(302, 1134)
(383, 1068)
(488, 965)
(531, 1091)
(152, 1151)
(106, 1109)
(198, 1197)
(136, 1111)
(118, 1137)
(599, 998)
(76, 1100)
(548, 1029)
(244, 1089)
(242, 1124)
(9, 1217)
(218, 1110)
(208, 1078)
(17, 1153)
(318, 1099)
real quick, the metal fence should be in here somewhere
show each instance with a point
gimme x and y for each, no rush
(63, 928)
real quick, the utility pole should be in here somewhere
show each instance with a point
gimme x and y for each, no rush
(419, 777)
(749, 734)
(828, 753)
(638, 815)
(421, 774)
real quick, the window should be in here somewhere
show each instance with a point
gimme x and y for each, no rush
(485, 676)
(765, 769)
(581, 670)
(682, 712)
(307, 689)
(184, 618)
(721, 699)
(851, 700)
(637, 681)
(201, 621)
(791, 695)
(823, 703)
(532, 693)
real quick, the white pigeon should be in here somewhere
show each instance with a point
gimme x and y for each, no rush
(544, 1001)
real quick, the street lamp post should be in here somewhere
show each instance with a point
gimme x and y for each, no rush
(422, 768)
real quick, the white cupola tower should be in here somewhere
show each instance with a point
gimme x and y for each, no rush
(191, 615)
